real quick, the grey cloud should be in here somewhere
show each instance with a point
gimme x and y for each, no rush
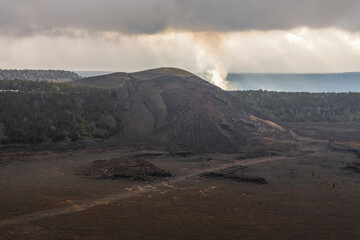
(26, 17)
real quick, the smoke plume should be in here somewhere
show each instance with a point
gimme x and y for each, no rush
(208, 49)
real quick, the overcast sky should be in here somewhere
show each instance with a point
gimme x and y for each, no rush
(198, 35)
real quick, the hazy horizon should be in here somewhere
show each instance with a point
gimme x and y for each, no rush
(281, 82)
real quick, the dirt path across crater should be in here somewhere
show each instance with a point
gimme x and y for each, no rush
(132, 191)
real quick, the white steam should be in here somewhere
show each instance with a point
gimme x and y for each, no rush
(217, 76)
(208, 49)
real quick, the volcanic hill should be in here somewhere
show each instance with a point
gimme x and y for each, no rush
(177, 110)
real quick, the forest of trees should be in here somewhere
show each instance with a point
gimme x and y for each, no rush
(303, 106)
(37, 75)
(40, 111)
(35, 112)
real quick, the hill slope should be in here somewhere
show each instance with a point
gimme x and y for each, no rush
(173, 108)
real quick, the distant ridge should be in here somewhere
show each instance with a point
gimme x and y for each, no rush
(85, 74)
(281, 82)
(38, 75)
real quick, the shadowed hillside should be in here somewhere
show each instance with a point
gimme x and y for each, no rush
(173, 108)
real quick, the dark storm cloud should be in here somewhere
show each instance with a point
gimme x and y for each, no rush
(150, 16)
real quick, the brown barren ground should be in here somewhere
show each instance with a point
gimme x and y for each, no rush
(308, 196)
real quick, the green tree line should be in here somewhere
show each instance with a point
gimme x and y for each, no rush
(37, 75)
(304, 106)
(35, 112)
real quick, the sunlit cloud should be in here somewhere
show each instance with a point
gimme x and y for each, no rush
(297, 50)
(293, 38)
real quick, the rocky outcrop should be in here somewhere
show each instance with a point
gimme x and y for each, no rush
(125, 168)
(235, 173)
